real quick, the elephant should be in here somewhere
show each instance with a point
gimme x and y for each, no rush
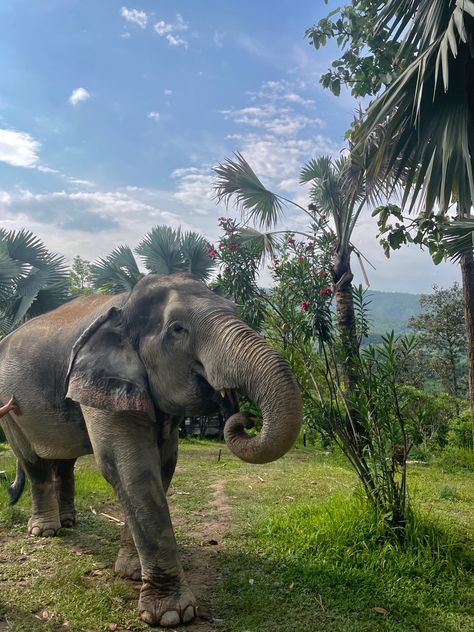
(113, 376)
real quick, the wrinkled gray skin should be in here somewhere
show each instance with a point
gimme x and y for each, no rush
(112, 376)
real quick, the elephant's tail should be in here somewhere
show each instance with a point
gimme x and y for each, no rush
(15, 490)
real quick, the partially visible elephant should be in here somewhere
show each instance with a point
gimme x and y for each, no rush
(113, 375)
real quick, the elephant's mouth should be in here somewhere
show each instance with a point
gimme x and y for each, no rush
(223, 401)
(227, 402)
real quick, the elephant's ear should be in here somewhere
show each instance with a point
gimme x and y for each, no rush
(105, 371)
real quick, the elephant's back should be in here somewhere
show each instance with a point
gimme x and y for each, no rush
(36, 355)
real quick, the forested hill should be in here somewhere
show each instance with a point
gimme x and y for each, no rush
(390, 310)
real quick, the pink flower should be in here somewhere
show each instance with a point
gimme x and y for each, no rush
(291, 240)
(220, 244)
(212, 253)
(300, 259)
(305, 305)
(326, 292)
(233, 247)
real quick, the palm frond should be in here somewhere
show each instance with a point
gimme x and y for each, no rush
(429, 129)
(32, 279)
(265, 243)
(195, 253)
(458, 239)
(161, 252)
(237, 182)
(316, 169)
(118, 272)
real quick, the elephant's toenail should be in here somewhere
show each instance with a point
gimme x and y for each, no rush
(169, 618)
(147, 617)
(188, 614)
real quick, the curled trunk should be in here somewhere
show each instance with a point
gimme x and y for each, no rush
(245, 362)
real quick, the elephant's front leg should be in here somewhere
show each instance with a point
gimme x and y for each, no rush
(125, 446)
(127, 563)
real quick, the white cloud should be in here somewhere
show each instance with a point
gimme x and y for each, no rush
(195, 189)
(81, 183)
(268, 117)
(169, 31)
(135, 16)
(18, 149)
(168, 92)
(46, 169)
(281, 159)
(218, 39)
(154, 116)
(79, 95)
(176, 40)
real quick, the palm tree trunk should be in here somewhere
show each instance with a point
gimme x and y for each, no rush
(467, 270)
(342, 278)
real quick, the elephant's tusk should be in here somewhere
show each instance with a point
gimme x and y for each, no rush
(222, 393)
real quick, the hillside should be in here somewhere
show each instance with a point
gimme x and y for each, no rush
(391, 310)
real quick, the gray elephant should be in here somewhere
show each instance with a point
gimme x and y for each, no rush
(113, 375)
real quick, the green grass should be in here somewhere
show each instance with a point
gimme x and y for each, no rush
(303, 551)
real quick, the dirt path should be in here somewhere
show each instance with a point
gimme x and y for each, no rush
(201, 562)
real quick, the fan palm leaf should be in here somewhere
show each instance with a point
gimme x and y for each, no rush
(458, 239)
(118, 272)
(237, 181)
(195, 253)
(160, 250)
(32, 279)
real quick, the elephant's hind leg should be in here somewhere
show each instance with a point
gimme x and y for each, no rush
(63, 476)
(45, 520)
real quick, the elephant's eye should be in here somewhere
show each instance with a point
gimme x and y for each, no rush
(177, 329)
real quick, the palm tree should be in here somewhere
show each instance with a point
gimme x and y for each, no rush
(428, 114)
(163, 251)
(32, 279)
(338, 190)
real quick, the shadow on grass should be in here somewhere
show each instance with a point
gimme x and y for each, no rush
(274, 595)
(334, 567)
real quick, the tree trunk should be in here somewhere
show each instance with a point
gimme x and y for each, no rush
(342, 278)
(467, 270)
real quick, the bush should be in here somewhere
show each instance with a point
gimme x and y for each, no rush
(460, 431)
(451, 459)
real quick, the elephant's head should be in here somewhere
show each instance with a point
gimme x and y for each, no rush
(175, 346)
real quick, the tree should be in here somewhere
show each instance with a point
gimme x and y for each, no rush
(80, 279)
(440, 328)
(297, 320)
(428, 114)
(337, 191)
(32, 279)
(163, 251)
(370, 56)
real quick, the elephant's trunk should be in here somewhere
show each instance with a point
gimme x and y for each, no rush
(245, 362)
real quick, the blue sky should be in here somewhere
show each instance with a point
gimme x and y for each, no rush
(112, 116)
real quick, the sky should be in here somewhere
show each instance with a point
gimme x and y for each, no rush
(112, 116)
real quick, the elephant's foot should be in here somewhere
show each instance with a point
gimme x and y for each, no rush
(169, 611)
(43, 527)
(128, 564)
(68, 518)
